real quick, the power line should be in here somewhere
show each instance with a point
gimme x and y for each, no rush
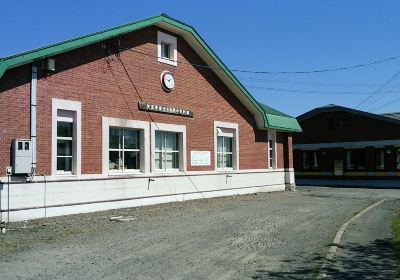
(306, 83)
(312, 91)
(271, 90)
(276, 72)
(386, 104)
(365, 100)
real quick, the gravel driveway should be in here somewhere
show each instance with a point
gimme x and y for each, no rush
(259, 236)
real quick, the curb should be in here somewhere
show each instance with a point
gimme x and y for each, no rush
(332, 250)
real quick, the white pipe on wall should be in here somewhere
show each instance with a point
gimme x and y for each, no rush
(33, 116)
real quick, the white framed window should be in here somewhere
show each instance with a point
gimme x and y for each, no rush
(226, 143)
(167, 48)
(126, 146)
(168, 142)
(224, 149)
(167, 151)
(272, 150)
(124, 149)
(66, 137)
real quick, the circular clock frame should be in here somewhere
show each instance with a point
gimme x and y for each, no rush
(165, 83)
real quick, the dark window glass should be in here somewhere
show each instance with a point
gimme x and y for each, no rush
(64, 147)
(131, 160)
(65, 129)
(64, 164)
(131, 139)
(379, 159)
(355, 159)
(310, 160)
(165, 50)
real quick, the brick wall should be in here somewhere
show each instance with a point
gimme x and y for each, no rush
(345, 127)
(100, 83)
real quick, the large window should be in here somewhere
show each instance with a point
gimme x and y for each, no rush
(224, 152)
(379, 159)
(310, 160)
(167, 150)
(124, 149)
(64, 146)
(355, 159)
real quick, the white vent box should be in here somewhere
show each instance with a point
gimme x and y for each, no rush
(22, 156)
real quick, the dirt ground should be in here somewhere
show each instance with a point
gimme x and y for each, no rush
(259, 236)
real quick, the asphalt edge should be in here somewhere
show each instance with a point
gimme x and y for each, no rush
(336, 241)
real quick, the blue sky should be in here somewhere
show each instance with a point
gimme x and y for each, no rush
(251, 35)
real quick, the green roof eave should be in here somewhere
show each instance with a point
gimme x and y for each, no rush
(51, 50)
(280, 121)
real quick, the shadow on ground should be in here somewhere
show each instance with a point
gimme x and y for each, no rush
(292, 269)
(375, 260)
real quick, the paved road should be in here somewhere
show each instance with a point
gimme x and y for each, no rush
(265, 236)
(366, 250)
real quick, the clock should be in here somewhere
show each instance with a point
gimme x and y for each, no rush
(167, 81)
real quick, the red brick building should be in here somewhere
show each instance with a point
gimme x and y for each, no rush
(138, 114)
(343, 146)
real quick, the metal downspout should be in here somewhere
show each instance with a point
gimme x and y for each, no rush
(33, 118)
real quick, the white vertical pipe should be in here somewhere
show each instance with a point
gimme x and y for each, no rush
(33, 116)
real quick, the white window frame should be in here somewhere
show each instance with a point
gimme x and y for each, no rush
(272, 137)
(235, 144)
(164, 152)
(143, 128)
(67, 117)
(122, 149)
(181, 130)
(75, 108)
(172, 42)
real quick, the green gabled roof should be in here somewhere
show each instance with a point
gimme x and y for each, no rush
(280, 121)
(263, 119)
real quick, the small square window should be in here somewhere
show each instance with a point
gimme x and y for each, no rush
(167, 48)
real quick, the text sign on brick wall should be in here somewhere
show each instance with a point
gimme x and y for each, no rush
(200, 158)
(165, 109)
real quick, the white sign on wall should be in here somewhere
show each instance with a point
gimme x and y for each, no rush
(200, 158)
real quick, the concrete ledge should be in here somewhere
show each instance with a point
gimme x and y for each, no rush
(38, 200)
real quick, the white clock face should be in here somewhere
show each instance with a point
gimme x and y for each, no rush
(168, 81)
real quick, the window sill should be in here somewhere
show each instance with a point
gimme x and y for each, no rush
(225, 170)
(119, 173)
(168, 171)
(66, 175)
(168, 61)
